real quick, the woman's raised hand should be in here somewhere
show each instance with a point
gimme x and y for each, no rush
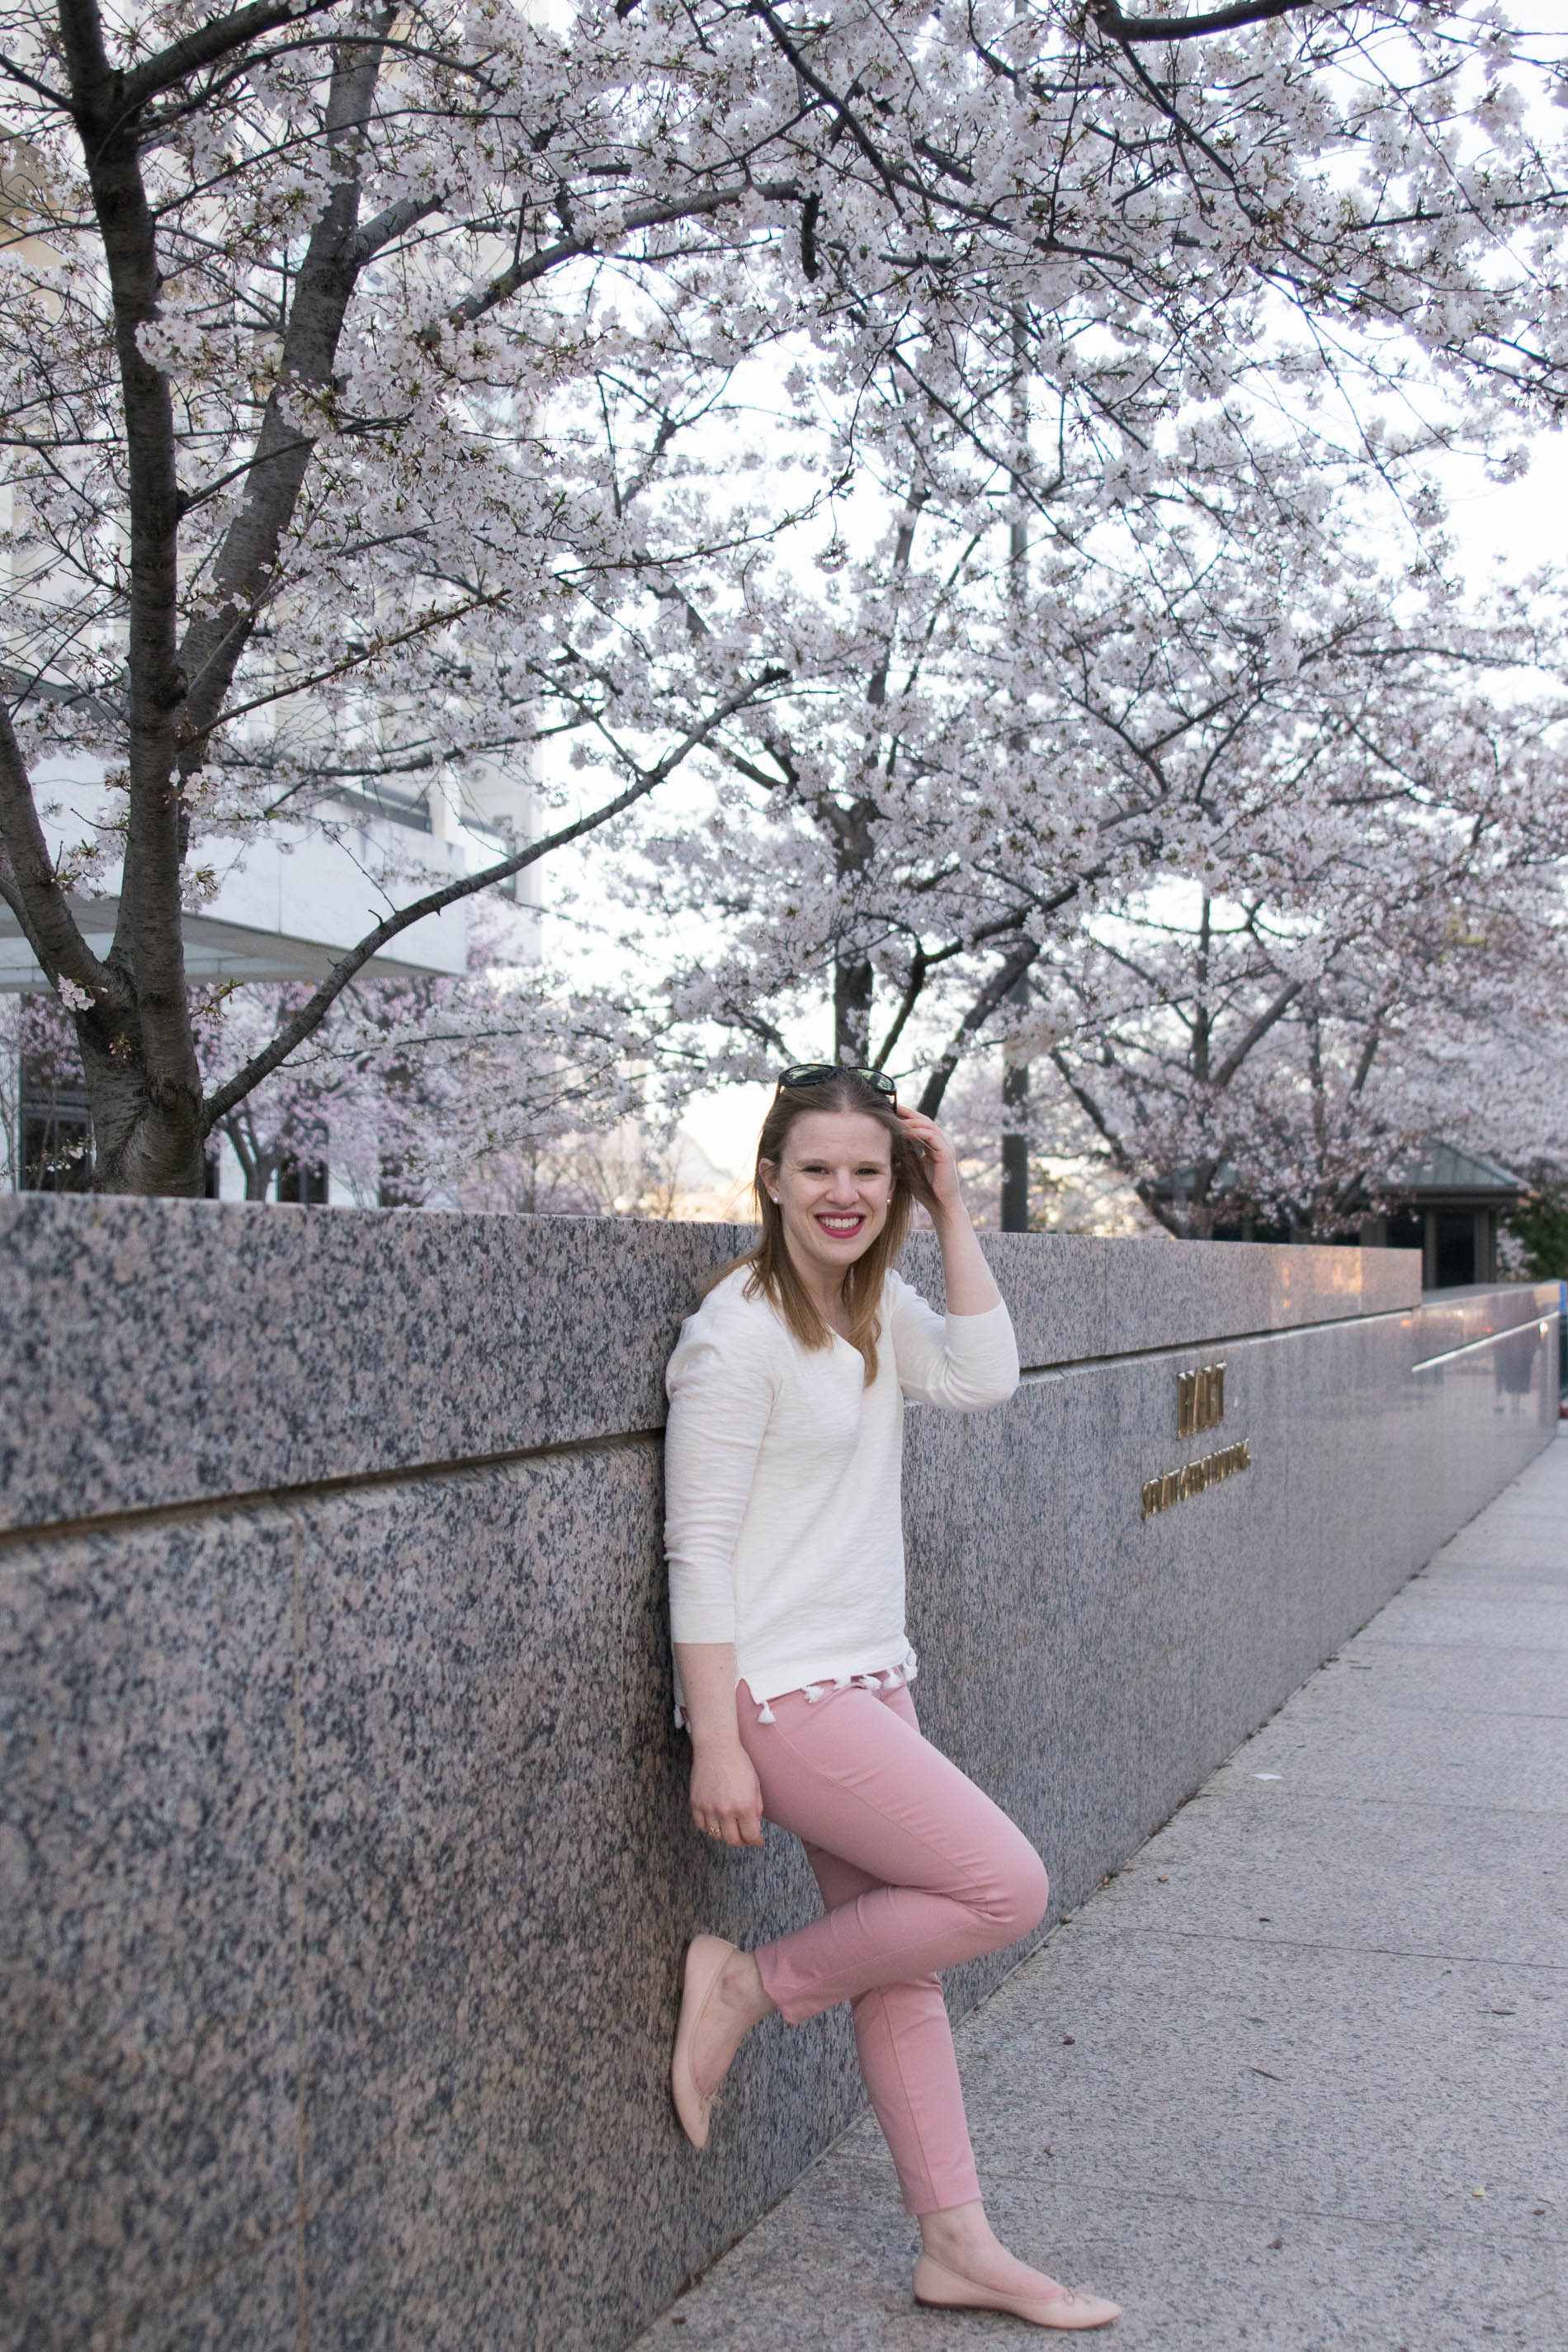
(938, 1159)
(967, 1278)
(726, 1795)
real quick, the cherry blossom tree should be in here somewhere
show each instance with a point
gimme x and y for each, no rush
(413, 1088)
(1211, 819)
(331, 1101)
(1273, 1047)
(352, 356)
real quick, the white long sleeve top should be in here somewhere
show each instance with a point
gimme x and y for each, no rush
(783, 1474)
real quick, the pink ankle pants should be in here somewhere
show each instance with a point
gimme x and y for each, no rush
(918, 1870)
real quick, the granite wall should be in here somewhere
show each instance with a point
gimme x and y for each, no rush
(343, 1855)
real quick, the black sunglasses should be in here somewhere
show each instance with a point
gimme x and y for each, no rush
(816, 1074)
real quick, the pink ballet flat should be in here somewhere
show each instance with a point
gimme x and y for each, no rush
(705, 1958)
(941, 2289)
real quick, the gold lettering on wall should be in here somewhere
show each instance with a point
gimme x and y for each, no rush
(1200, 1400)
(1195, 1478)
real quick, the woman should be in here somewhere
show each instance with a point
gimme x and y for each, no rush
(783, 1457)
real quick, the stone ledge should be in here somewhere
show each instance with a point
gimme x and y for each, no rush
(468, 1334)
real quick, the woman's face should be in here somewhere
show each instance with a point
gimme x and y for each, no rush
(833, 1186)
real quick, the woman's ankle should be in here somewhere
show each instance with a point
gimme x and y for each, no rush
(956, 2232)
(962, 2240)
(742, 1988)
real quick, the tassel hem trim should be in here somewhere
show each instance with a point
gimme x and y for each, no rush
(895, 1677)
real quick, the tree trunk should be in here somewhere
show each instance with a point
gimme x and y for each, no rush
(1015, 1128)
(852, 990)
(147, 1132)
(257, 1166)
(137, 1047)
(1015, 1149)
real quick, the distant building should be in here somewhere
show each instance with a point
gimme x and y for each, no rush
(1445, 1203)
(281, 907)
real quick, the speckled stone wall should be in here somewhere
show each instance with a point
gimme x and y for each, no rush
(343, 1854)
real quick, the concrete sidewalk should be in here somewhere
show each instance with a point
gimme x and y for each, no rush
(1298, 2076)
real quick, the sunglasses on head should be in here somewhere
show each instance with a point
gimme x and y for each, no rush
(816, 1074)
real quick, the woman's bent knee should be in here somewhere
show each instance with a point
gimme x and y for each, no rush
(1018, 1900)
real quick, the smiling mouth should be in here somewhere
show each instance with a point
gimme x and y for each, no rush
(843, 1224)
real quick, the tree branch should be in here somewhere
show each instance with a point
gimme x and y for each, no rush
(974, 1020)
(1110, 20)
(208, 44)
(658, 214)
(1255, 1033)
(845, 113)
(394, 221)
(1091, 1111)
(43, 89)
(1369, 1051)
(913, 988)
(244, 569)
(311, 1014)
(27, 880)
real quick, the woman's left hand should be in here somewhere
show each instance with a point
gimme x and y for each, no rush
(938, 1159)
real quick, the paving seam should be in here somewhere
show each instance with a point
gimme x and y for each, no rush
(1484, 1714)
(1346, 1951)
(1323, 1799)
(1080, 2183)
(1514, 1577)
(1463, 1649)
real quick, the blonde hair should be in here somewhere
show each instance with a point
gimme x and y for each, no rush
(773, 1274)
